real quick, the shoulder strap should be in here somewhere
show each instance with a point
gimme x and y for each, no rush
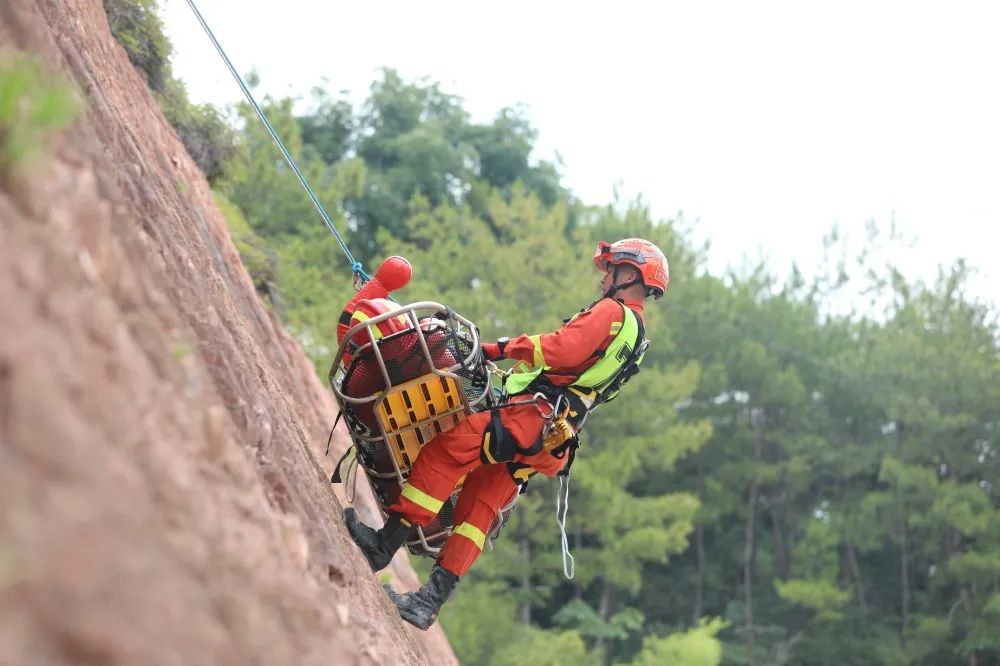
(629, 364)
(617, 354)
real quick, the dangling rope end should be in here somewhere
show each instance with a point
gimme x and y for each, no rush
(562, 509)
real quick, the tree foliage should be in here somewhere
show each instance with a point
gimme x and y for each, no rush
(778, 485)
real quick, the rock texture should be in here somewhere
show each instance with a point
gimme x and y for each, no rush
(165, 499)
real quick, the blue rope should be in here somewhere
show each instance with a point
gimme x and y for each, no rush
(355, 264)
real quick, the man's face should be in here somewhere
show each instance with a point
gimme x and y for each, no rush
(609, 276)
(626, 273)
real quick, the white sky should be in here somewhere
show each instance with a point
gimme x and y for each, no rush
(767, 122)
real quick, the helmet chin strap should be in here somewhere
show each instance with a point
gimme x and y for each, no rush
(614, 288)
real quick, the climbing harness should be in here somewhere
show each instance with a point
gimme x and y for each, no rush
(360, 276)
(572, 404)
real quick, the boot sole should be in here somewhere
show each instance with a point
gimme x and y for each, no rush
(409, 617)
(419, 625)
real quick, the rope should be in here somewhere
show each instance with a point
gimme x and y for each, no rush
(355, 264)
(569, 564)
(351, 479)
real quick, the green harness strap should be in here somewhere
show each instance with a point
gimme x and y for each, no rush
(601, 374)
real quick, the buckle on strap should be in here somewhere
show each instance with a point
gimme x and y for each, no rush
(540, 399)
(498, 443)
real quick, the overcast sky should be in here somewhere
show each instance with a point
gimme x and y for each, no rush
(766, 122)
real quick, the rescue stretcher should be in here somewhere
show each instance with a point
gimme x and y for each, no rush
(400, 390)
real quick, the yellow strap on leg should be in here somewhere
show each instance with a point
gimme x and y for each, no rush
(521, 476)
(472, 533)
(422, 499)
(486, 448)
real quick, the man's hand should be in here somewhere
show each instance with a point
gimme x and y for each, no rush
(494, 350)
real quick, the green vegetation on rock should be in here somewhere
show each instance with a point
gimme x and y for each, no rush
(34, 104)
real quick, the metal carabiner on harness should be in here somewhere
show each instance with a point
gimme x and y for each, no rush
(537, 400)
(554, 415)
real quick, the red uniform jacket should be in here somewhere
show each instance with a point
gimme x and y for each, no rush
(567, 352)
(570, 350)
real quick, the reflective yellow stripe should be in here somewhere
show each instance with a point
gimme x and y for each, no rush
(472, 533)
(615, 327)
(539, 359)
(486, 448)
(359, 317)
(422, 499)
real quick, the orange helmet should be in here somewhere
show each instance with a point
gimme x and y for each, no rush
(640, 253)
(367, 308)
(372, 307)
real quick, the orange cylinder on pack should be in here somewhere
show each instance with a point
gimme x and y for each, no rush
(394, 273)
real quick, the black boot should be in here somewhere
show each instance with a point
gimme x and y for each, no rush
(421, 608)
(378, 546)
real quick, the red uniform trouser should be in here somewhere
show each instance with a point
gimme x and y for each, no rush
(486, 490)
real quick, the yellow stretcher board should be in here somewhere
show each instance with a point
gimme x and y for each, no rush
(411, 414)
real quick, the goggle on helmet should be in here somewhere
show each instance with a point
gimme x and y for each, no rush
(642, 254)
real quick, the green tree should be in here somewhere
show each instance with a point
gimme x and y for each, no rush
(265, 187)
(417, 140)
(696, 647)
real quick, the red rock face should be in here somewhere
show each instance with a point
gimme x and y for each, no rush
(164, 494)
